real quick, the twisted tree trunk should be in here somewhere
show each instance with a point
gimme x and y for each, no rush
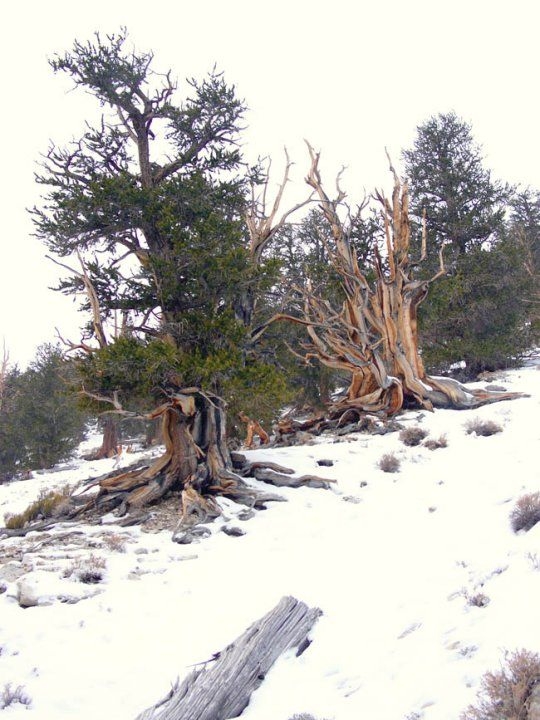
(196, 462)
(374, 336)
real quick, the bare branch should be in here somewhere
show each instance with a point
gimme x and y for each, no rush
(262, 227)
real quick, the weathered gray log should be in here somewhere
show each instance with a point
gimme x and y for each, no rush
(280, 480)
(267, 465)
(221, 688)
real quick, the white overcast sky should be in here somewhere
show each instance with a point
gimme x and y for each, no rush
(353, 77)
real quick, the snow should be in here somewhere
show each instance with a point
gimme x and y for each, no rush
(395, 561)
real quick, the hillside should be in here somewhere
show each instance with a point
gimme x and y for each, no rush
(422, 581)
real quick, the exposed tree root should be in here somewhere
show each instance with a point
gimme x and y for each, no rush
(196, 463)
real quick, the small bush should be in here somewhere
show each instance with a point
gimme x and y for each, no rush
(507, 694)
(47, 505)
(526, 512)
(11, 696)
(478, 600)
(88, 570)
(115, 541)
(412, 436)
(485, 428)
(389, 463)
(435, 444)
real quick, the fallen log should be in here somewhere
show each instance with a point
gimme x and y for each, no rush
(222, 686)
(280, 480)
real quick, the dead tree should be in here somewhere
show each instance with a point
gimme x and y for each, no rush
(374, 335)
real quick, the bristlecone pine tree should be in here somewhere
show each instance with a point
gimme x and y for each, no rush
(152, 203)
(373, 337)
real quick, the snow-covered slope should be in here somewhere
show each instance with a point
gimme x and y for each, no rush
(422, 582)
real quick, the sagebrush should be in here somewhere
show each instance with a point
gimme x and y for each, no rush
(484, 428)
(526, 512)
(389, 463)
(13, 696)
(413, 436)
(508, 693)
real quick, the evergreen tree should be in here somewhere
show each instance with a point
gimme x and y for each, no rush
(41, 422)
(475, 313)
(463, 205)
(153, 200)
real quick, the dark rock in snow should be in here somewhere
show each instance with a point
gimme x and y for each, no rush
(232, 531)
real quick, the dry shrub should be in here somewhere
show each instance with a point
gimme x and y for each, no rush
(413, 436)
(48, 504)
(477, 600)
(88, 570)
(436, 443)
(12, 696)
(507, 694)
(389, 463)
(485, 428)
(115, 542)
(526, 512)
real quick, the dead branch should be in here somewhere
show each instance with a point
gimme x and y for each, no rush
(262, 226)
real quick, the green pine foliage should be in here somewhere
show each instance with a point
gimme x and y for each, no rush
(477, 312)
(41, 422)
(153, 200)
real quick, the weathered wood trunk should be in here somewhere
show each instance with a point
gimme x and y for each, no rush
(374, 336)
(110, 444)
(221, 687)
(196, 463)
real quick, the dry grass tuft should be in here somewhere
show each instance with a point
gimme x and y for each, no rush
(510, 693)
(115, 542)
(526, 512)
(484, 428)
(48, 504)
(413, 436)
(88, 570)
(389, 463)
(436, 443)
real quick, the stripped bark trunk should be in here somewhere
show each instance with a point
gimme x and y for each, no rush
(374, 336)
(196, 463)
(222, 687)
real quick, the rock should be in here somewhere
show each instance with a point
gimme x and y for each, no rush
(12, 571)
(192, 535)
(325, 463)
(39, 587)
(246, 515)
(232, 531)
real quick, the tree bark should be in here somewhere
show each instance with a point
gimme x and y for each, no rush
(374, 336)
(110, 444)
(223, 690)
(196, 462)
